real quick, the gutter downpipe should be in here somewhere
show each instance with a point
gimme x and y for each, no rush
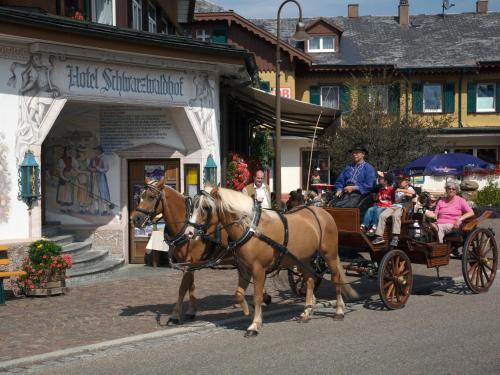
(460, 125)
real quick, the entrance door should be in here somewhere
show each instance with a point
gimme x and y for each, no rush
(137, 172)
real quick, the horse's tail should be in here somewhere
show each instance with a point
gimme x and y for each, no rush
(347, 289)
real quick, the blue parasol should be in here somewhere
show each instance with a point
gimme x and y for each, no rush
(445, 164)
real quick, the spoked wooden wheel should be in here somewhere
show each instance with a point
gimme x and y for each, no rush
(298, 282)
(395, 279)
(480, 260)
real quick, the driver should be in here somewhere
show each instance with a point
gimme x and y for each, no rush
(356, 181)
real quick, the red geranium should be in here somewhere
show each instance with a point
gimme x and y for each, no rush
(237, 175)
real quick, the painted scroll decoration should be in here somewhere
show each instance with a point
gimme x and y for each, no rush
(5, 181)
(36, 94)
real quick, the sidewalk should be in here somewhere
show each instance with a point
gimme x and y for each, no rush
(139, 300)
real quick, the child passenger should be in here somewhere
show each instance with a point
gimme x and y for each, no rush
(404, 194)
(385, 198)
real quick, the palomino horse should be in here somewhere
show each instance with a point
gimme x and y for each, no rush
(310, 229)
(158, 198)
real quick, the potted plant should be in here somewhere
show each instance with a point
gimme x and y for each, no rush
(237, 175)
(45, 269)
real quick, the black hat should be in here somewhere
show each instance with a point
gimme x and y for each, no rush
(358, 147)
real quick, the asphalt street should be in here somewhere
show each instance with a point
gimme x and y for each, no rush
(441, 331)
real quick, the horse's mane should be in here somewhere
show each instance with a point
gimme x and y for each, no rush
(237, 204)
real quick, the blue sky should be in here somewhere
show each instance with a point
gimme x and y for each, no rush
(328, 8)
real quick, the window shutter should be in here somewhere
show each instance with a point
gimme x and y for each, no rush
(497, 98)
(345, 99)
(314, 95)
(363, 95)
(219, 36)
(417, 98)
(471, 97)
(449, 97)
(265, 86)
(394, 98)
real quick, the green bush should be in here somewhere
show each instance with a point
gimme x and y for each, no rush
(489, 195)
(42, 251)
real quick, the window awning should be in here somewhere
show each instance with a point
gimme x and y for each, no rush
(297, 118)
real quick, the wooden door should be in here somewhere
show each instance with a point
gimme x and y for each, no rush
(137, 172)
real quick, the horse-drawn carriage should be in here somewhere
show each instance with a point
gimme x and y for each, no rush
(417, 244)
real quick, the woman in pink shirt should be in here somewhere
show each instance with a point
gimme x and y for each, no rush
(450, 212)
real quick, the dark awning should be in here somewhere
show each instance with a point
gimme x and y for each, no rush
(297, 118)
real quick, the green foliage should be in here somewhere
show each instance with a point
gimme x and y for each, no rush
(262, 151)
(393, 138)
(489, 195)
(42, 251)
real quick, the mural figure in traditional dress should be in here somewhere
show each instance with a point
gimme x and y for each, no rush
(83, 197)
(99, 189)
(203, 105)
(65, 185)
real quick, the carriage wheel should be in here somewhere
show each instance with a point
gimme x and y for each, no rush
(395, 279)
(298, 283)
(480, 260)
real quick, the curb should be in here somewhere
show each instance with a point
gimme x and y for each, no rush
(201, 326)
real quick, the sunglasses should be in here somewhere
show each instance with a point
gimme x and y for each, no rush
(451, 189)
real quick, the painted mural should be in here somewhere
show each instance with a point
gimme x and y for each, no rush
(202, 106)
(5, 181)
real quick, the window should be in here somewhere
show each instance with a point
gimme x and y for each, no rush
(488, 154)
(203, 35)
(322, 44)
(485, 101)
(102, 11)
(469, 151)
(330, 97)
(136, 14)
(151, 18)
(433, 98)
(320, 162)
(378, 96)
(163, 26)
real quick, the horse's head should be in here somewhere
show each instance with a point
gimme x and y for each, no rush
(204, 214)
(149, 203)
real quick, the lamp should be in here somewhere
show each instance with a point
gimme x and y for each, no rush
(210, 171)
(29, 180)
(300, 35)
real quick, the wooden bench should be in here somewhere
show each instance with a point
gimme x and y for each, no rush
(5, 261)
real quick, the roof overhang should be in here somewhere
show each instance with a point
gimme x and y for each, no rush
(479, 131)
(297, 118)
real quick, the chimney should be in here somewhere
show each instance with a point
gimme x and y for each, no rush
(404, 10)
(482, 6)
(352, 10)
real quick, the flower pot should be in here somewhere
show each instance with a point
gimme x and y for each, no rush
(55, 286)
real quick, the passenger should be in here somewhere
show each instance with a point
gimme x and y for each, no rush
(450, 211)
(356, 181)
(403, 195)
(385, 198)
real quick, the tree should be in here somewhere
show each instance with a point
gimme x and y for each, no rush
(393, 138)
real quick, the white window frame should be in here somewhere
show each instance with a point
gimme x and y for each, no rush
(437, 110)
(385, 92)
(93, 10)
(474, 149)
(151, 20)
(203, 35)
(321, 49)
(137, 15)
(494, 98)
(329, 88)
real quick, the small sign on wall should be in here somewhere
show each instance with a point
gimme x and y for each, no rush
(285, 92)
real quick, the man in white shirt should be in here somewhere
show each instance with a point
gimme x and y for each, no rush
(258, 190)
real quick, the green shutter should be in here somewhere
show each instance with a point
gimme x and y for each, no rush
(418, 97)
(497, 99)
(471, 97)
(265, 86)
(345, 99)
(449, 97)
(219, 36)
(394, 98)
(314, 95)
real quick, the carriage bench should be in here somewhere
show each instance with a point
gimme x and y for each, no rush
(5, 261)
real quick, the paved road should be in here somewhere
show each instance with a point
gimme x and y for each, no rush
(439, 332)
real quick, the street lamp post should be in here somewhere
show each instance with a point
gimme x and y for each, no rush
(300, 35)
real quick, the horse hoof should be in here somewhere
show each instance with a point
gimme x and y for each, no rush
(338, 317)
(173, 322)
(267, 299)
(190, 316)
(251, 333)
(303, 319)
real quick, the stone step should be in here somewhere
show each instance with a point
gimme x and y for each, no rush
(51, 230)
(88, 258)
(63, 239)
(75, 248)
(94, 272)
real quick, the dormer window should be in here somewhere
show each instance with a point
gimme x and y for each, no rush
(322, 44)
